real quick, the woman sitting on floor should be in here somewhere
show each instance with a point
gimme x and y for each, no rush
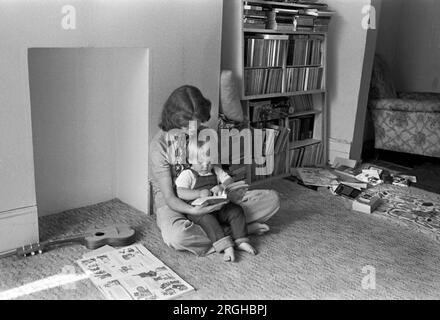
(168, 159)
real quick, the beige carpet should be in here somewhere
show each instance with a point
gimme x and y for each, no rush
(316, 250)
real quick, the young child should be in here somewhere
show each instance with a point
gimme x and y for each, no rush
(203, 180)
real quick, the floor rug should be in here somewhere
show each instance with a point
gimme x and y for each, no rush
(416, 209)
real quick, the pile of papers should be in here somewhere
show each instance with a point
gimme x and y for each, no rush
(352, 179)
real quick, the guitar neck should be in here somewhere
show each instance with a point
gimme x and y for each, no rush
(8, 253)
(117, 235)
(79, 238)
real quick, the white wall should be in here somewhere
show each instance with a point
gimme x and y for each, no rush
(388, 31)
(346, 49)
(409, 40)
(166, 28)
(90, 126)
(418, 65)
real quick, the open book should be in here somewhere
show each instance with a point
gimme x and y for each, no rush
(223, 197)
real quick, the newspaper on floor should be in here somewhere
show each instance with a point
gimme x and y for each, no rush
(132, 273)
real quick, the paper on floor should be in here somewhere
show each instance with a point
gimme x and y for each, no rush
(132, 273)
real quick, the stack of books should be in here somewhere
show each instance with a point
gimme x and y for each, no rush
(263, 81)
(299, 19)
(260, 110)
(254, 17)
(277, 150)
(300, 103)
(265, 50)
(321, 24)
(304, 23)
(305, 50)
(268, 110)
(301, 128)
(308, 156)
(303, 79)
(282, 19)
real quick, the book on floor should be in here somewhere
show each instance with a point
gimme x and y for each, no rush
(346, 167)
(132, 273)
(366, 203)
(319, 177)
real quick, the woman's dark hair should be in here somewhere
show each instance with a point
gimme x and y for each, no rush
(184, 104)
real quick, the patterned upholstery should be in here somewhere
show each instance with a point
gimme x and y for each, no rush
(403, 122)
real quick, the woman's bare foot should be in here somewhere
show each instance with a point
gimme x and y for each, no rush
(257, 228)
(245, 246)
(228, 254)
(211, 250)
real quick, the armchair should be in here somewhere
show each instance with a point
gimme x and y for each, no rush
(403, 121)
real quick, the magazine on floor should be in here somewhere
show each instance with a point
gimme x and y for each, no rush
(132, 273)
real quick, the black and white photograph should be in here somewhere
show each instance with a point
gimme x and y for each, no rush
(242, 152)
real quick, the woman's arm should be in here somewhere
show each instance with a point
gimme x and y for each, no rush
(189, 194)
(176, 204)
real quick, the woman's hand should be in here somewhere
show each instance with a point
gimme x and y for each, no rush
(217, 190)
(204, 193)
(205, 209)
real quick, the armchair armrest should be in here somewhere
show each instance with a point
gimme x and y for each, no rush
(406, 105)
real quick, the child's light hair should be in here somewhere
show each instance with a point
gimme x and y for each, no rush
(202, 149)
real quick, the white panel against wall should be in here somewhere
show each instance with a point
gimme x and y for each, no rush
(90, 126)
(346, 48)
(71, 107)
(131, 128)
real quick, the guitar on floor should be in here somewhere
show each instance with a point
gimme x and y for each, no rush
(117, 235)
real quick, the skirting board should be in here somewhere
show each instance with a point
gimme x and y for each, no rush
(18, 227)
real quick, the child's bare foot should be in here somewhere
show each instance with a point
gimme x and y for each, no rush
(245, 246)
(228, 254)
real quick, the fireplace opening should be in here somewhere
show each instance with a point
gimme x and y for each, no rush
(89, 111)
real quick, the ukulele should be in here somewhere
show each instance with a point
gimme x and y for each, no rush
(117, 235)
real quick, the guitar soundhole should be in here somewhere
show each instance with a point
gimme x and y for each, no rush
(99, 234)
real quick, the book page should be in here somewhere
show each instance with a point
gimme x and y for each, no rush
(133, 273)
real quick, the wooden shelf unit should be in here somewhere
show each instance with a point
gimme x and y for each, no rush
(233, 58)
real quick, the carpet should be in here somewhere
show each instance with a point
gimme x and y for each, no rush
(317, 249)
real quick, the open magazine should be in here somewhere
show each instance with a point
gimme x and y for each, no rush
(132, 273)
(224, 197)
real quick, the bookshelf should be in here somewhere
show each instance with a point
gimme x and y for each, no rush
(277, 51)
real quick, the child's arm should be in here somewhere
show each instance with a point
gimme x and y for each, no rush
(235, 196)
(184, 183)
(227, 182)
(224, 180)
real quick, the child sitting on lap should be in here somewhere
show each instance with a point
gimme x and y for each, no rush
(203, 180)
